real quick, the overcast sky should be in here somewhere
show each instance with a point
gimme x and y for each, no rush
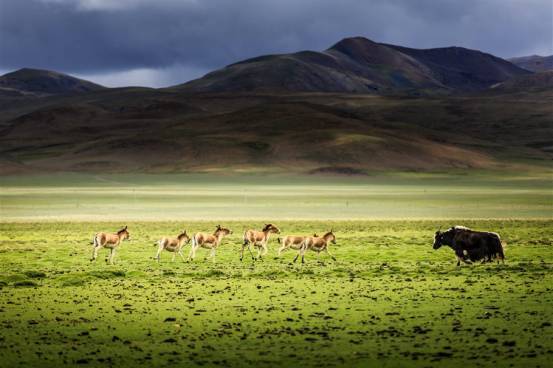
(165, 42)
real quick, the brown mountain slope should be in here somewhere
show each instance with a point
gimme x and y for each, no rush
(536, 81)
(144, 130)
(363, 66)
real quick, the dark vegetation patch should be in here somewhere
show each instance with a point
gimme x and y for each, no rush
(35, 274)
(338, 170)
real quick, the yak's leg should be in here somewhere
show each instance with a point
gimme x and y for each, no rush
(461, 257)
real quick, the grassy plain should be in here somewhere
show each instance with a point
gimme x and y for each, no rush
(389, 300)
(444, 195)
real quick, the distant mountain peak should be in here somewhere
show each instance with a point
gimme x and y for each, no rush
(42, 82)
(534, 63)
(361, 65)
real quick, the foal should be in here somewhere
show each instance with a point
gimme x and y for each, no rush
(110, 241)
(173, 245)
(317, 244)
(208, 241)
(259, 239)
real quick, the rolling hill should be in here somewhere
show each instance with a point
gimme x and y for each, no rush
(362, 66)
(37, 82)
(142, 130)
(534, 63)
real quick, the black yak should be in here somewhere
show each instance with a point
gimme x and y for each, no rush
(470, 245)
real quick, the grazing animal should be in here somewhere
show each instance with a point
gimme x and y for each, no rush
(110, 241)
(259, 239)
(174, 245)
(317, 244)
(470, 245)
(291, 242)
(208, 241)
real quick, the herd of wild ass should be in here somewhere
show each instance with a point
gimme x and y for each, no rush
(468, 245)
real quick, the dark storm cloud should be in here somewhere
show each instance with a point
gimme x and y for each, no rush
(174, 40)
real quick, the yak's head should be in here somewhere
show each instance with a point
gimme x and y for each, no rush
(438, 239)
(443, 237)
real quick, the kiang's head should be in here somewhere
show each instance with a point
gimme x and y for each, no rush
(183, 236)
(271, 228)
(222, 231)
(124, 233)
(330, 236)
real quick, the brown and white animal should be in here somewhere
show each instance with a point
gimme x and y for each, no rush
(470, 245)
(110, 241)
(259, 240)
(291, 242)
(209, 241)
(317, 244)
(174, 245)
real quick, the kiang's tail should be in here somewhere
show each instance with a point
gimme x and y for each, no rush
(194, 241)
(245, 237)
(94, 240)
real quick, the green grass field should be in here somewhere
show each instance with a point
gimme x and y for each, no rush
(389, 300)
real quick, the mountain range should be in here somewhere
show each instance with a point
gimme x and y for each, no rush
(362, 66)
(357, 107)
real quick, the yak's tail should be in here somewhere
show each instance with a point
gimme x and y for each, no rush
(501, 245)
